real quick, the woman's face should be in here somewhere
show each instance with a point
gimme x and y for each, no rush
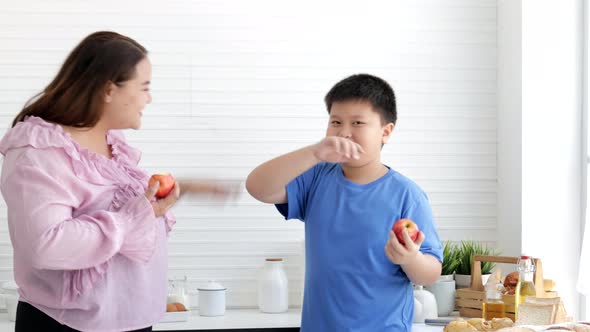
(125, 102)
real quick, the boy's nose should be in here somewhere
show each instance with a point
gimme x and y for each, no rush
(345, 134)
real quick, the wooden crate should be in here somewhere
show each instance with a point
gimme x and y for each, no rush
(469, 300)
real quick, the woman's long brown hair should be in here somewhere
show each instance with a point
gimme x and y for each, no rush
(75, 96)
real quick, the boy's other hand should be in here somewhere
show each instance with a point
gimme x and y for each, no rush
(403, 254)
(334, 149)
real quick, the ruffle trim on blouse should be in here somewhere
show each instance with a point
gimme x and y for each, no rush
(120, 171)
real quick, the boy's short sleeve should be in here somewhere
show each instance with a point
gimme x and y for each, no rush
(421, 213)
(297, 195)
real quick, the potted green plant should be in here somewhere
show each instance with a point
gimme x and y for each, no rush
(450, 262)
(466, 251)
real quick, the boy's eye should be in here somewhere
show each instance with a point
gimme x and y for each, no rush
(357, 123)
(335, 123)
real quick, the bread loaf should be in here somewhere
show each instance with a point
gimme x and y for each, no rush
(535, 314)
(548, 285)
(480, 324)
(542, 300)
(516, 329)
(560, 313)
(477, 324)
(499, 323)
(511, 280)
(459, 325)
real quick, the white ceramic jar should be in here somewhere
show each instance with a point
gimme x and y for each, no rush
(418, 312)
(428, 301)
(9, 292)
(273, 287)
(212, 299)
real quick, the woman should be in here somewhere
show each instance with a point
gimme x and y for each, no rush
(89, 237)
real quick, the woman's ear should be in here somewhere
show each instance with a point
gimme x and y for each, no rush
(387, 130)
(109, 91)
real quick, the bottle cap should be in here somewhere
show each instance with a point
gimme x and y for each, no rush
(274, 259)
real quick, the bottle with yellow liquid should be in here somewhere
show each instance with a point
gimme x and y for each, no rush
(493, 306)
(525, 286)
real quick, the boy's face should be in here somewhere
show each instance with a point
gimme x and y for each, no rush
(359, 122)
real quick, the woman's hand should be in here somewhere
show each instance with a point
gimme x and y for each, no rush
(161, 206)
(219, 190)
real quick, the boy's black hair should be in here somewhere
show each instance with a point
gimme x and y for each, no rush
(365, 87)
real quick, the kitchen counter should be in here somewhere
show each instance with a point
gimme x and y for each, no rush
(244, 320)
(237, 319)
(253, 320)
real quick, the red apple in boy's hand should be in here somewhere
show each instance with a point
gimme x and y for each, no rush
(166, 183)
(410, 227)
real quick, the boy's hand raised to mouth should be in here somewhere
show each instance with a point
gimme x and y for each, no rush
(334, 149)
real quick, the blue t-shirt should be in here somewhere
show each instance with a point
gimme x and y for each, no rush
(350, 284)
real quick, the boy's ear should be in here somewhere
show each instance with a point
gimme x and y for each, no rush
(109, 91)
(387, 130)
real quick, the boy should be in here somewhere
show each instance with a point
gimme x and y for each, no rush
(349, 201)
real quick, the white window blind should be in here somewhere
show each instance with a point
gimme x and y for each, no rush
(238, 82)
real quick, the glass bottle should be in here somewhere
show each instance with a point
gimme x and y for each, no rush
(525, 285)
(493, 306)
(273, 287)
(177, 291)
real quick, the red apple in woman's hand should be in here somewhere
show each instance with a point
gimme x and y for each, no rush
(166, 183)
(410, 227)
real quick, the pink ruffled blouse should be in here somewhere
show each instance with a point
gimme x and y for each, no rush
(88, 249)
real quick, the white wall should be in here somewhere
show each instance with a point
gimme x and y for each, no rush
(540, 136)
(236, 83)
(552, 70)
(509, 126)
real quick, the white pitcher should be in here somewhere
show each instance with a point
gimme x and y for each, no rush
(428, 302)
(418, 312)
(273, 287)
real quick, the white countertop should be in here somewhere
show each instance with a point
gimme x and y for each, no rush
(233, 319)
(253, 318)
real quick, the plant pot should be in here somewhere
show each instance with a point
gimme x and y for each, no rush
(464, 280)
(446, 277)
(444, 292)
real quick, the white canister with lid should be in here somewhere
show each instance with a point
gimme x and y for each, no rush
(273, 287)
(212, 299)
